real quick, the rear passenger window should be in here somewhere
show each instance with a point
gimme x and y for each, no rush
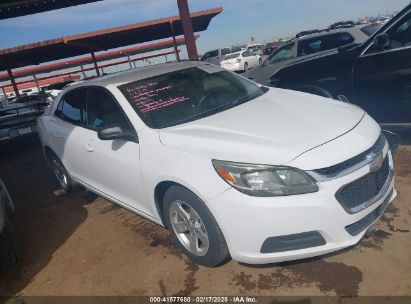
(72, 107)
(104, 112)
(323, 43)
(342, 39)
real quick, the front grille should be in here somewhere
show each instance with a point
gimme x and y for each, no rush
(366, 221)
(335, 170)
(365, 188)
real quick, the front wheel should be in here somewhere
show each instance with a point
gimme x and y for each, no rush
(260, 61)
(193, 227)
(245, 67)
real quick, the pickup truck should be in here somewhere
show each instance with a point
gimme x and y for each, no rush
(19, 119)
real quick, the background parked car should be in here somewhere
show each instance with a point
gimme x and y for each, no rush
(240, 61)
(303, 47)
(256, 48)
(375, 75)
(55, 88)
(8, 244)
(269, 48)
(216, 56)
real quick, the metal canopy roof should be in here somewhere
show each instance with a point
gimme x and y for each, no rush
(17, 8)
(51, 67)
(70, 46)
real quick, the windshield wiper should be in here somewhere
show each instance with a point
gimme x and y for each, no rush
(212, 111)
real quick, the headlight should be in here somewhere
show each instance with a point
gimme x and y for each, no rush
(262, 180)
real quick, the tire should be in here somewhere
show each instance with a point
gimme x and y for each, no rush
(61, 174)
(245, 67)
(9, 253)
(198, 227)
(260, 61)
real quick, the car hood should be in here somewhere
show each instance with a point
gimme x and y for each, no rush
(274, 128)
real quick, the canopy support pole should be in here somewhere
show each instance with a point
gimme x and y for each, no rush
(13, 82)
(174, 41)
(188, 29)
(95, 64)
(83, 72)
(36, 82)
(129, 62)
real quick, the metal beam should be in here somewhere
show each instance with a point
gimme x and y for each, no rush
(13, 83)
(187, 29)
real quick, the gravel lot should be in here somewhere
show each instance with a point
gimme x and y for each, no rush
(82, 244)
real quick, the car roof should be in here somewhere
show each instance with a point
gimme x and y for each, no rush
(138, 74)
(355, 31)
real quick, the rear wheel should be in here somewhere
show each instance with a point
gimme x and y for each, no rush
(193, 227)
(61, 174)
(8, 246)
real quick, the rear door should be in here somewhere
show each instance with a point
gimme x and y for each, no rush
(382, 77)
(114, 164)
(69, 132)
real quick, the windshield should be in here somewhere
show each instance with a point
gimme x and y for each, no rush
(232, 56)
(186, 95)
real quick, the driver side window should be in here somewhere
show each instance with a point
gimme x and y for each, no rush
(104, 112)
(399, 37)
(284, 54)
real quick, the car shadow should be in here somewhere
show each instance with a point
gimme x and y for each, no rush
(45, 217)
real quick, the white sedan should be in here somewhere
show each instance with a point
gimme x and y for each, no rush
(241, 61)
(230, 167)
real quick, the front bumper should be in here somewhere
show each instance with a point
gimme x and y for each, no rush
(247, 222)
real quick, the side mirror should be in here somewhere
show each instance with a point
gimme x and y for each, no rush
(115, 133)
(381, 40)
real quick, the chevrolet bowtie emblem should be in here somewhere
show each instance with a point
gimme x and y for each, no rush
(376, 164)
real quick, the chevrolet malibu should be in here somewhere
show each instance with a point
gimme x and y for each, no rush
(230, 167)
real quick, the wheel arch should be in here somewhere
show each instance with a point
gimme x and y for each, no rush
(48, 153)
(160, 190)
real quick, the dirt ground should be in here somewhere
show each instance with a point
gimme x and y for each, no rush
(82, 244)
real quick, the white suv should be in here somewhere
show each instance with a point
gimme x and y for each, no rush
(230, 167)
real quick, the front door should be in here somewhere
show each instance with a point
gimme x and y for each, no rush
(382, 78)
(114, 164)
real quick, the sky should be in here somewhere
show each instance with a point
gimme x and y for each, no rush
(240, 20)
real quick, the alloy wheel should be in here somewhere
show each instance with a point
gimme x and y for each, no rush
(60, 173)
(189, 228)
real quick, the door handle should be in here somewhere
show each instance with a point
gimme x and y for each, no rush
(56, 135)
